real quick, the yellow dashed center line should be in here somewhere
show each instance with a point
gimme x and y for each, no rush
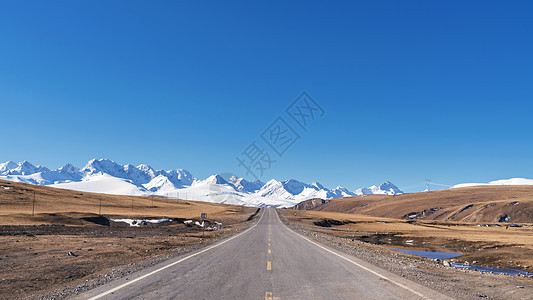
(269, 244)
(269, 252)
(269, 266)
(268, 296)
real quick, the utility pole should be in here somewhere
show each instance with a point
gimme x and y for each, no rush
(33, 207)
(427, 184)
(100, 207)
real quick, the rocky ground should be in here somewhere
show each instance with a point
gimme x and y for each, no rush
(456, 283)
(56, 261)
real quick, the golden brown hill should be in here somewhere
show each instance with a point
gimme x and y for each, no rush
(470, 204)
(61, 206)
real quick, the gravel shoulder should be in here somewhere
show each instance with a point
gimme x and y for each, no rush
(456, 283)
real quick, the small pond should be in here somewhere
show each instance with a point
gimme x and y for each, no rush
(446, 255)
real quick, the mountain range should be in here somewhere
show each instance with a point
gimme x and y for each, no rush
(106, 176)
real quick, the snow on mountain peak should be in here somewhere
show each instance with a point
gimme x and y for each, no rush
(215, 179)
(294, 186)
(160, 184)
(145, 168)
(340, 191)
(244, 185)
(68, 168)
(386, 188)
(25, 168)
(8, 165)
(180, 177)
(104, 175)
(234, 180)
(317, 185)
(102, 165)
(389, 188)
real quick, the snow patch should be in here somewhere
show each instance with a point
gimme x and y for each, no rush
(138, 222)
(511, 181)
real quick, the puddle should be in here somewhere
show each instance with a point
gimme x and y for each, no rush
(511, 272)
(430, 254)
(446, 255)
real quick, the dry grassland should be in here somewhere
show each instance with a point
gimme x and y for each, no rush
(57, 206)
(492, 246)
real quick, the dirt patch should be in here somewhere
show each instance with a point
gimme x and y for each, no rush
(328, 223)
(421, 214)
(254, 214)
(99, 220)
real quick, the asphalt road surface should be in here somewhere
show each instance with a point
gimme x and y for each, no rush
(267, 261)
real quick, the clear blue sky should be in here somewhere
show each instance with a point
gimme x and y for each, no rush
(410, 89)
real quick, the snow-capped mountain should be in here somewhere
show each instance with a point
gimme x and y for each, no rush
(22, 168)
(106, 176)
(340, 192)
(293, 190)
(9, 165)
(511, 181)
(159, 184)
(243, 185)
(386, 188)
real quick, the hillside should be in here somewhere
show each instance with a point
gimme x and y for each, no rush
(62, 206)
(469, 204)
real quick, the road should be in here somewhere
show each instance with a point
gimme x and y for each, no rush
(267, 261)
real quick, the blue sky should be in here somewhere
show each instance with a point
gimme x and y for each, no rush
(411, 90)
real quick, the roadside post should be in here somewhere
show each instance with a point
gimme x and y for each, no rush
(203, 216)
(33, 206)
